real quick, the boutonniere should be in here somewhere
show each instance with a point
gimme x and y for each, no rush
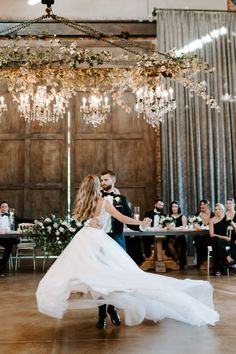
(117, 200)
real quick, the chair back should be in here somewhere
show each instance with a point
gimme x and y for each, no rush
(24, 227)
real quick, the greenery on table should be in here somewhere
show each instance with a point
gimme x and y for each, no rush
(53, 234)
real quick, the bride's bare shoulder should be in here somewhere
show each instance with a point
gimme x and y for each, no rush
(100, 200)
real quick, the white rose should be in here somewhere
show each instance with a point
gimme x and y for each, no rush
(61, 229)
(57, 233)
(49, 229)
(47, 220)
(64, 223)
(55, 224)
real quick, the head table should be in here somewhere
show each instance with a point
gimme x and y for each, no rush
(9, 234)
(156, 261)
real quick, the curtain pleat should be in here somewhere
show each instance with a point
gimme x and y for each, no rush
(198, 144)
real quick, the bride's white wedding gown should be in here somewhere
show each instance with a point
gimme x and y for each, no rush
(96, 265)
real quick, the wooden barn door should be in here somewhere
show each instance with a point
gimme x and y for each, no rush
(123, 144)
(33, 165)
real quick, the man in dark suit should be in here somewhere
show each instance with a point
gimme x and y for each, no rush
(156, 214)
(8, 243)
(114, 229)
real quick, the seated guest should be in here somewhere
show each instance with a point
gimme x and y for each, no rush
(155, 215)
(219, 239)
(231, 216)
(202, 241)
(7, 243)
(176, 246)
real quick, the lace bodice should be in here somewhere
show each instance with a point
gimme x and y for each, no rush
(102, 217)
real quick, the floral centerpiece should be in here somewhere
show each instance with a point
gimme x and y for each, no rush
(196, 219)
(168, 222)
(53, 234)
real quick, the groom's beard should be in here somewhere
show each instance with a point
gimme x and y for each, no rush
(107, 188)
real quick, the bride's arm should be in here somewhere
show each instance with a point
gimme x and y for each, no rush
(122, 218)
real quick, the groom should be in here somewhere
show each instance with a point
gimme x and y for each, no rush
(114, 228)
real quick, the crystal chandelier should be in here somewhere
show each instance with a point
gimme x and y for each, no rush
(3, 106)
(95, 108)
(42, 104)
(153, 104)
(42, 73)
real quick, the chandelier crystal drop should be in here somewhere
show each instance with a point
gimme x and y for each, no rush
(42, 104)
(43, 72)
(95, 108)
(3, 106)
(153, 104)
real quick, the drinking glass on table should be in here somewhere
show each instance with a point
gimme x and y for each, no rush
(12, 218)
(137, 213)
(191, 220)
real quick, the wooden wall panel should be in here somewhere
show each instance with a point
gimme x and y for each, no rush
(46, 161)
(123, 122)
(15, 198)
(137, 197)
(124, 144)
(10, 121)
(128, 161)
(47, 129)
(45, 202)
(12, 162)
(90, 156)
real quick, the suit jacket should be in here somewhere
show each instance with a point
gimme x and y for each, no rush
(150, 214)
(121, 204)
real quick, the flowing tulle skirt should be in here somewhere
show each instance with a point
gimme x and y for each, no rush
(96, 266)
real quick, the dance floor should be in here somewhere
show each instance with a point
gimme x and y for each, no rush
(25, 331)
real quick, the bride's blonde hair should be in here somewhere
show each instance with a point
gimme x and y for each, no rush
(86, 198)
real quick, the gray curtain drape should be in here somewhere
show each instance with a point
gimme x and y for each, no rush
(198, 144)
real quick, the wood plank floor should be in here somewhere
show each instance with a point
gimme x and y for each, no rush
(25, 331)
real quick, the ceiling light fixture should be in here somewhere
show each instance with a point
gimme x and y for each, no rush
(42, 73)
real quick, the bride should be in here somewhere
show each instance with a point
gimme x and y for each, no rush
(98, 268)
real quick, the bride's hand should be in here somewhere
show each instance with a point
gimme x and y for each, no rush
(94, 222)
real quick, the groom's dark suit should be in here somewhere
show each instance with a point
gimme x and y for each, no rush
(116, 232)
(131, 245)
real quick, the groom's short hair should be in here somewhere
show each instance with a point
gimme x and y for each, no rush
(108, 172)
